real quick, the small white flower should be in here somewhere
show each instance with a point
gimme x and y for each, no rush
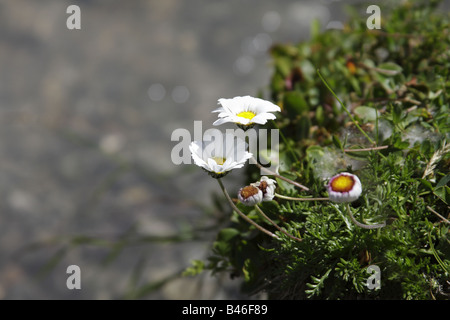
(250, 195)
(245, 111)
(267, 186)
(218, 157)
(344, 187)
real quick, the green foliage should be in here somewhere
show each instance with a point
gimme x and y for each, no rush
(394, 83)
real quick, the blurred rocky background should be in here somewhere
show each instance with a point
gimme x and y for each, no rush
(86, 118)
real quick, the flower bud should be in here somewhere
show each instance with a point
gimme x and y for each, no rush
(267, 186)
(250, 195)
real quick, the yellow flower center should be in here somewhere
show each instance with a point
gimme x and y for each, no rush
(220, 161)
(342, 183)
(247, 115)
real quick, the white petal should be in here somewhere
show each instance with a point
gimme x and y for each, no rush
(234, 165)
(199, 162)
(225, 115)
(269, 107)
(261, 105)
(229, 105)
(213, 166)
(221, 121)
(220, 109)
(229, 163)
(263, 117)
(242, 120)
(195, 152)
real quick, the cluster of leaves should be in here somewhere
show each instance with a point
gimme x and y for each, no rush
(394, 81)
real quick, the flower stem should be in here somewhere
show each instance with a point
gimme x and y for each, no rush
(300, 199)
(243, 215)
(344, 107)
(280, 176)
(275, 225)
(435, 253)
(366, 149)
(443, 219)
(361, 225)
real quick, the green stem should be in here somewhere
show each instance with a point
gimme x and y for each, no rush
(443, 219)
(300, 199)
(344, 107)
(441, 263)
(243, 215)
(275, 225)
(361, 225)
(366, 149)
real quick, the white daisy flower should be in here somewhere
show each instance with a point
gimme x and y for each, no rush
(245, 111)
(250, 195)
(267, 186)
(344, 187)
(221, 156)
